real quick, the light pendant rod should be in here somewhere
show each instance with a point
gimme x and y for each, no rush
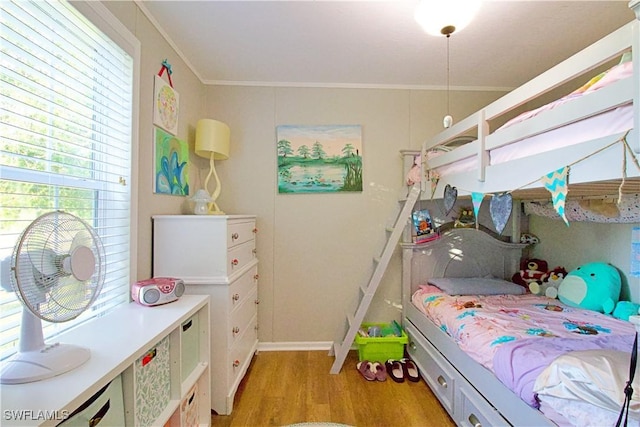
(448, 120)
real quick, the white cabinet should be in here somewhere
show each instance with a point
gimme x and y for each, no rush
(216, 255)
(145, 363)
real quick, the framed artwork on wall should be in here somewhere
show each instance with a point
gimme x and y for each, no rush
(171, 164)
(319, 159)
(165, 106)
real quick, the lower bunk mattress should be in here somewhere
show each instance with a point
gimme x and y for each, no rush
(570, 363)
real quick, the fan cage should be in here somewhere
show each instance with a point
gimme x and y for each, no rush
(39, 276)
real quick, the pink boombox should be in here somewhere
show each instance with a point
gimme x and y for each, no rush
(157, 290)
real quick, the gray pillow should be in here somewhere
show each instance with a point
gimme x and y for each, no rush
(476, 286)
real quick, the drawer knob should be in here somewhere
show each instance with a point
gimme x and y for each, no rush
(412, 345)
(234, 262)
(442, 381)
(256, 276)
(234, 236)
(235, 330)
(255, 230)
(475, 422)
(236, 363)
(254, 251)
(257, 301)
(236, 297)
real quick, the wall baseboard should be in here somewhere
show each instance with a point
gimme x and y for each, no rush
(295, 346)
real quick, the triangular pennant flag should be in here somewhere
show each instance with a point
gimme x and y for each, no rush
(556, 183)
(476, 198)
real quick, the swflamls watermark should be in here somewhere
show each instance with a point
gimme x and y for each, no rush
(34, 415)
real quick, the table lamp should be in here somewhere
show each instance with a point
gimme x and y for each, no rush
(212, 142)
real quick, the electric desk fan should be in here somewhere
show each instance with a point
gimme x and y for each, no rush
(57, 271)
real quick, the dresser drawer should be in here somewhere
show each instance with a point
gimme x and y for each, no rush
(240, 232)
(241, 353)
(241, 288)
(240, 256)
(241, 317)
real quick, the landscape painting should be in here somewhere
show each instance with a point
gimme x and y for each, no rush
(319, 159)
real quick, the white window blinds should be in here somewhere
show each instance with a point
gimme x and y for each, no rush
(66, 117)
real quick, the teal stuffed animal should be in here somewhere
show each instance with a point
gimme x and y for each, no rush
(595, 286)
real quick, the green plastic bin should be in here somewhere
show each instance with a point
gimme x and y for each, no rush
(380, 349)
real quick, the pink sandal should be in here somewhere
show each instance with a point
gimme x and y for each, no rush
(379, 370)
(364, 368)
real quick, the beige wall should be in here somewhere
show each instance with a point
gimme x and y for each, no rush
(154, 49)
(315, 250)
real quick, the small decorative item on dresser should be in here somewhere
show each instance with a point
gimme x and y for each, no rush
(201, 202)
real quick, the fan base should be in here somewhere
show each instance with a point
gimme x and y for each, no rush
(51, 360)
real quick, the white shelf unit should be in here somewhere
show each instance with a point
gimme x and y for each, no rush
(173, 336)
(216, 255)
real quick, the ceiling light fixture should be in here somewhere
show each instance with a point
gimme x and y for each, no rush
(444, 18)
(434, 15)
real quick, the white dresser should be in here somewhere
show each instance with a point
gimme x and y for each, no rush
(216, 255)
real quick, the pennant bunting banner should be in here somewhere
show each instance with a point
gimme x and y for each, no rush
(476, 198)
(556, 183)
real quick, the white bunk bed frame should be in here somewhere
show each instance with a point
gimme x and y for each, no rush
(523, 174)
(471, 394)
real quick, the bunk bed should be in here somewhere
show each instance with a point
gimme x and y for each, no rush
(591, 134)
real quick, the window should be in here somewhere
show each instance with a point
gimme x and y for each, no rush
(68, 119)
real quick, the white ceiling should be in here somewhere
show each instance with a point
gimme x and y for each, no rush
(377, 43)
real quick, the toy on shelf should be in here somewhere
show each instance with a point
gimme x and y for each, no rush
(529, 239)
(466, 218)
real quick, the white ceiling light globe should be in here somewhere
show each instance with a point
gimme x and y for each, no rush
(434, 15)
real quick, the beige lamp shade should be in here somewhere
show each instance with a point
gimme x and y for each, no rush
(212, 136)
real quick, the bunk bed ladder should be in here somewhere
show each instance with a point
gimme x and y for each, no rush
(341, 349)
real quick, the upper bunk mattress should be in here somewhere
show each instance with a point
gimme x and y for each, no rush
(610, 122)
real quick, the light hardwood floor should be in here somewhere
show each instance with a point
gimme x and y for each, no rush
(283, 388)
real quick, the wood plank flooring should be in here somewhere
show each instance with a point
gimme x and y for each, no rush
(283, 388)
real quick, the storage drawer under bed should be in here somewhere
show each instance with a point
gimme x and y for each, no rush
(463, 402)
(433, 368)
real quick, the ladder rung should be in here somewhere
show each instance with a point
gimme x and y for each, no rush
(364, 289)
(350, 319)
